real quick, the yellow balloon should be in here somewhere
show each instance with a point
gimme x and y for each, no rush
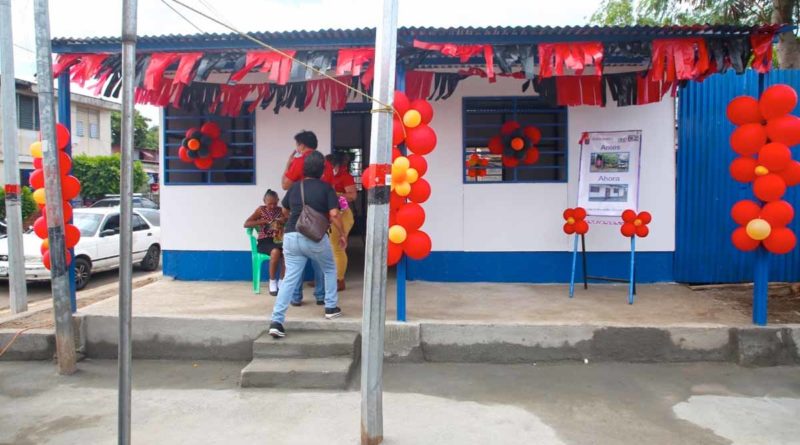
(758, 229)
(402, 188)
(761, 170)
(398, 175)
(412, 175)
(36, 149)
(401, 162)
(46, 243)
(397, 234)
(412, 118)
(39, 196)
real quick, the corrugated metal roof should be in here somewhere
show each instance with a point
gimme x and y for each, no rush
(366, 36)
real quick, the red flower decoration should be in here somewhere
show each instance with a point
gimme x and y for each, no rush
(765, 226)
(476, 165)
(203, 146)
(635, 225)
(575, 221)
(516, 144)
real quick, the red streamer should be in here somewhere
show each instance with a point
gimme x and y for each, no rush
(554, 57)
(579, 90)
(762, 50)
(278, 66)
(418, 84)
(183, 75)
(159, 62)
(463, 52)
(679, 59)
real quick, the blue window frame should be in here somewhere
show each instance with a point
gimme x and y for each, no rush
(482, 118)
(237, 168)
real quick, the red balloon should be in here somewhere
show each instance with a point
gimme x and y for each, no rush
(62, 136)
(218, 149)
(784, 129)
(568, 213)
(744, 110)
(569, 229)
(66, 211)
(579, 213)
(769, 187)
(629, 216)
(510, 161)
(425, 109)
(775, 156)
(70, 187)
(411, 216)
(183, 154)
(37, 162)
(418, 163)
(396, 201)
(778, 213)
(44, 248)
(190, 132)
(46, 258)
(398, 129)
(394, 254)
(628, 229)
(781, 240)
(421, 139)
(745, 211)
(532, 156)
(64, 163)
(509, 127)
(496, 145)
(743, 169)
(36, 179)
(392, 217)
(40, 227)
(533, 134)
(401, 103)
(203, 163)
(420, 191)
(71, 235)
(748, 139)
(417, 245)
(742, 241)
(645, 217)
(396, 153)
(642, 231)
(791, 174)
(211, 129)
(581, 227)
(776, 101)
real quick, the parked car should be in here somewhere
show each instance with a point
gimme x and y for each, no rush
(98, 248)
(138, 203)
(3, 228)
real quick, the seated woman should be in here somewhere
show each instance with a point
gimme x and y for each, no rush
(269, 220)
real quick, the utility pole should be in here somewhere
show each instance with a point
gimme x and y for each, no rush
(126, 221)
(59, 275)
(374, 315)
(8, 97)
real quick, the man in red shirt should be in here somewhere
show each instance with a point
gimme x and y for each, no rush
(306, 143)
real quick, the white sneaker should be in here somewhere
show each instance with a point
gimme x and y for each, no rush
(273, 287)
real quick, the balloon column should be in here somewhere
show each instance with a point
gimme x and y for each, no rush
(70, 188)
(202, 146)
(765, 131)
(516, 144)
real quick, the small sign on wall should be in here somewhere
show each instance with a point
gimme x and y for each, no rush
(609, 172)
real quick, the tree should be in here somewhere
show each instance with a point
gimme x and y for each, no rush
(689, 12)
(99, 175)
(142, 137)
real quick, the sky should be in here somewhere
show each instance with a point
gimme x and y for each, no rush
(93, 18)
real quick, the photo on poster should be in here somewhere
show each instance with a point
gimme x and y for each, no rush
(608, 192)
(610, 162)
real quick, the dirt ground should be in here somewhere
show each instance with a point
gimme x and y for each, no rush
(783, 305)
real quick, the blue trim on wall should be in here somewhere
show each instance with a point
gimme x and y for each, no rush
(499, 267)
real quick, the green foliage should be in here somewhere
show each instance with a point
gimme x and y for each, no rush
(27, 203)
(143, 135)
(683, 12)
(99, 175)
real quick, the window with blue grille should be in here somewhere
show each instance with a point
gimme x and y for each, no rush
(237, 167)
(482, 119)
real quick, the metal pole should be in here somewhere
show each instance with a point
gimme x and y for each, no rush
(16, 257)
(761, 287)
(574, 263)
(65, 339)
(632, 283)
(126, 220)
(65, 119)
(374, 316)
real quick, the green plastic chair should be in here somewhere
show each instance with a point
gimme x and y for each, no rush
(257, 257)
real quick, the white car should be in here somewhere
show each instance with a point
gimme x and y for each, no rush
(98, 248)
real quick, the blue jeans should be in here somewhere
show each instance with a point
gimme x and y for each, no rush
(319, 284)
(297, 250)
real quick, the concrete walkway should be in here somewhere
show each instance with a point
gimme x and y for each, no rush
(200, 402)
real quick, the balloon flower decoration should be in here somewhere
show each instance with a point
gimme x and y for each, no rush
(765, 131)
(70, 188)
(476, 165)
(634, 225)
(575, 223)
(202, 146)
(516, 144)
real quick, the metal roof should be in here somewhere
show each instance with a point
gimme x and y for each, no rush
(335, 38)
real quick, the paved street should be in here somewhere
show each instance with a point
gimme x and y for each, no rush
(200, 402)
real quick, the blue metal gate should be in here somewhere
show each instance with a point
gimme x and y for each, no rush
(705, 190)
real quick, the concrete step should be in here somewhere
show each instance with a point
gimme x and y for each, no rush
(312, 373)
(307, 344)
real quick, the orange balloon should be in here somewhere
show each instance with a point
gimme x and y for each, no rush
(769, 187)
(193, 144)
(775, 156)
(791, 174)
(778, 213)
(784, 129)
(744, 211)
(743, 169)
(780, 241)
(744, 110)
(742, 241)
(777, 100)
(748, 139)
(517, 144)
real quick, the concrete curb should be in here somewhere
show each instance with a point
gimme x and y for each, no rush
(231, 338)
(33, 344)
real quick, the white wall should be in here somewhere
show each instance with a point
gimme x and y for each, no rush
(460, 217)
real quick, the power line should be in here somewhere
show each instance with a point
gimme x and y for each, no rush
(182, 16)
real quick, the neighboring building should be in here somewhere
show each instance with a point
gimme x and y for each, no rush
(91, 125)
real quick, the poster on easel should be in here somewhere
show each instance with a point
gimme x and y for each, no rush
(609, 172)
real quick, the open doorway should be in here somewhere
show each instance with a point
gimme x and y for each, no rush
(350, 132)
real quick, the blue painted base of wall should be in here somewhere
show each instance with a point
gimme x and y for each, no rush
(498, 267)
